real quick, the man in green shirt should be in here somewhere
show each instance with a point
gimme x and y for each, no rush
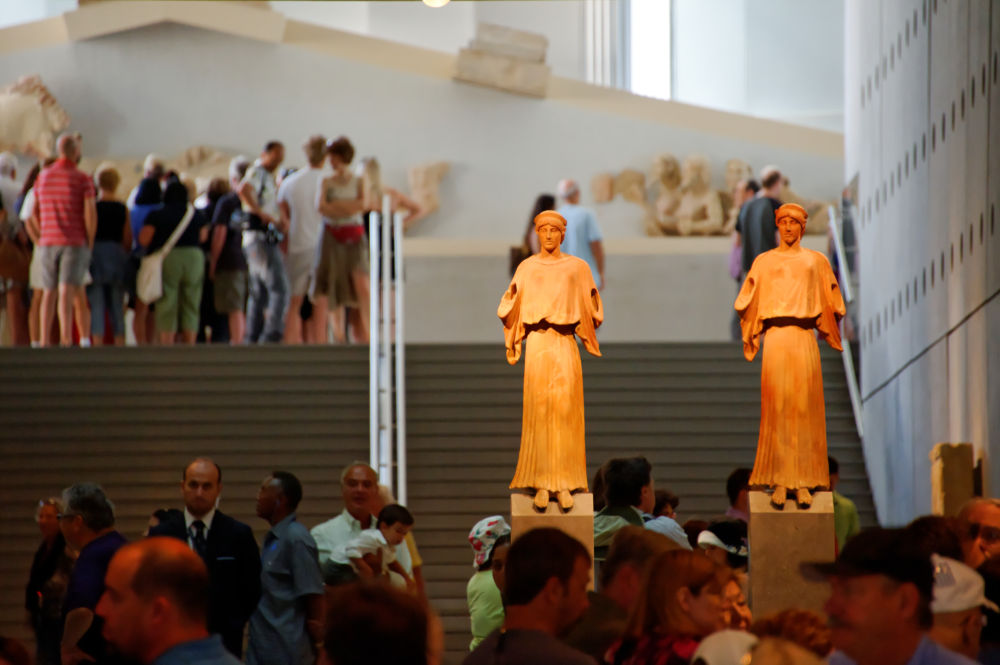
(845, 513)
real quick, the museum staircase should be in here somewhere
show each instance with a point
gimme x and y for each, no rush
(131, 418)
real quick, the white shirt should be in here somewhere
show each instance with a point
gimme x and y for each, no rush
(28, 206)
(300, 191)
(264, 188)
(189, 519)
(369, 541)
(341, 530)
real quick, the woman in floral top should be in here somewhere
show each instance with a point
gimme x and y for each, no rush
(680, 603)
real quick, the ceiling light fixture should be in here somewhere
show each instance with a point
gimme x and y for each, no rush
(436, 3)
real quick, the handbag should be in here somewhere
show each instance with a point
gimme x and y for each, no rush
(149, 281)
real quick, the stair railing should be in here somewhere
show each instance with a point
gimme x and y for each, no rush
(847, 289)
(386, 424)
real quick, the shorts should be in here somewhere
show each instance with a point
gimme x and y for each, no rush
(230, 294)
(35, 270)
(63, 264)
(300, 267)
(333, 272)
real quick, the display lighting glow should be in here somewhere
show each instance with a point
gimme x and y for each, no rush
(436, 3)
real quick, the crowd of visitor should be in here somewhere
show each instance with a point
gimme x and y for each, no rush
(268, 255)
(198, 589)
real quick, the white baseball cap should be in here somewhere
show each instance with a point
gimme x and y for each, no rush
(957, 587)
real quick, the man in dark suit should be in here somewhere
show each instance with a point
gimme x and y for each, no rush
(226, 545)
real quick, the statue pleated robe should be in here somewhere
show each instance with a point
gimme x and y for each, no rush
(787, 296)
(547, 304)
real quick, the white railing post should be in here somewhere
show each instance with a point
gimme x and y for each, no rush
(385, 462)
(373, 369)
(397, 258)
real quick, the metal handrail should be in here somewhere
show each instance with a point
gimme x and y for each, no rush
(386, 355)
(848, 292)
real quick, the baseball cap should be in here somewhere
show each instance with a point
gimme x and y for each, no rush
(957, 587)
(890, 552)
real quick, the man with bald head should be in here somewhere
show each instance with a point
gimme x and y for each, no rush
(980, 520)
(155, 606)
(227, 547)
(66, 211)
(359, 488)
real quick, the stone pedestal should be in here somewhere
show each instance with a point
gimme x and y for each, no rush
(781, 539)
(578, 522)
(952, 477)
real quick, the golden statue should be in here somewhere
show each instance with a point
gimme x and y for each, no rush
(789, 292)
(551, 300)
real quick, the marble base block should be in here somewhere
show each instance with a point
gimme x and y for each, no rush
(578, 522)
(781, 539)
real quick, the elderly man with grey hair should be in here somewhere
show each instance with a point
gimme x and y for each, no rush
(88, 524)
(583, 237)
(980, 523)
(227, 266)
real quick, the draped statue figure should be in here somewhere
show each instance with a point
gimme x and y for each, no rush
(789, 293)
(551, 300)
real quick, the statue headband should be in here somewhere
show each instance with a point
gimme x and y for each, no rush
(793, 210)
(550, 217)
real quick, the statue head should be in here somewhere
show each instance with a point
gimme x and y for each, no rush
(791, 222)
(696, 173)
(551, 229)
(667, 170)
(736, 170)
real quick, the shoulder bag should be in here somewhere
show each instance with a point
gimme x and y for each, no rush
(149, 281)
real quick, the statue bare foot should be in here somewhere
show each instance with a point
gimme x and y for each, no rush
(542, 499)
(778, 496)
(803, 497)
(565, 499)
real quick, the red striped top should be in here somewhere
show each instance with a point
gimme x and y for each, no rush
(60, 192)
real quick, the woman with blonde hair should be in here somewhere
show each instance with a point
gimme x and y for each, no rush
(680, 603)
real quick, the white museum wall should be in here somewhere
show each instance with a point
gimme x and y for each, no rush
(922, 102)
(781, 59)
(451, 27)
(167, 87)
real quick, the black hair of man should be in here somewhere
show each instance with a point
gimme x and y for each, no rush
(834, 465)
(374, 623)
(753, 186)
(624, 479)
(184, 581)
(394, 514)
(772, 179)
(737, 481)
(290, 486)
(273, 145)
(218, 468)
(535, 558)
(663, 499)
